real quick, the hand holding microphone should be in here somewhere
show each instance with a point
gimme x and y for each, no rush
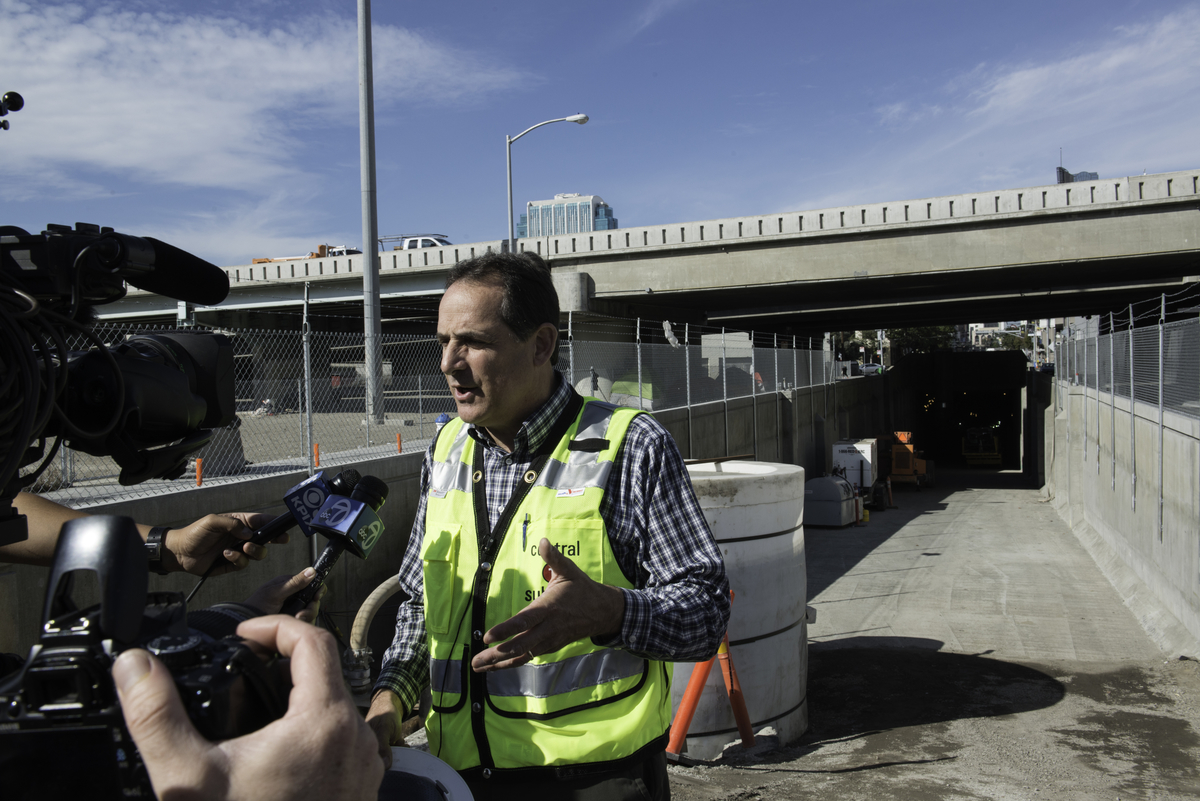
(303, 502)
(351, 524)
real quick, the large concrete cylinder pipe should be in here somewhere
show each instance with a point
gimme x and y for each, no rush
(756, 512)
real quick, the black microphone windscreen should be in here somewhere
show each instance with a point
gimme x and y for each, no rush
(180, 275)
(371, 490)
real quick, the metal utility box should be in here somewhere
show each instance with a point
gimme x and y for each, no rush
(858, 461)
(828, 501)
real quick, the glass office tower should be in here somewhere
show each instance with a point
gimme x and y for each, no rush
(566, 214)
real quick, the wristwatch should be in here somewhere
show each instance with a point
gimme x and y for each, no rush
(154, 549)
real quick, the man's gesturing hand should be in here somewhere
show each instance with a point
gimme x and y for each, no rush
(572, 607)
(321, 748)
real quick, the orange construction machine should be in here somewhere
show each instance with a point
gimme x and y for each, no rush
(907, 462)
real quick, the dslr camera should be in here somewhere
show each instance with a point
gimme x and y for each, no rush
(147, 401)
(62, 734)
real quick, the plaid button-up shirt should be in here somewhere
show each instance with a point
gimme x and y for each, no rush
(680, 607)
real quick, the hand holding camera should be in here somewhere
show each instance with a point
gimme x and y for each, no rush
(321, 727)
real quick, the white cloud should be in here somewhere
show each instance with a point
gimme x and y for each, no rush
(653, 12)
(902, 115)
(1117, 105)
(200, 101)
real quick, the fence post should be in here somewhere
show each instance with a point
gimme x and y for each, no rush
(308, 412)
(724, 390)
(64, 465)
(300, 412)
(1132, 421)
(812, 405)
(778, 406)
(1085, 389)
(753, 398)
(1074, 367)
(571, 344)
(1097, 349)
(795, 365)
(1162, 321)
(1112, 397)
(420, 407)
(638, 323)
(687, 379)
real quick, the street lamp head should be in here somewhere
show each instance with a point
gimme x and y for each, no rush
(579, 118)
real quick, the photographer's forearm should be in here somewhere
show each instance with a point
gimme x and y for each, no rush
(190, 548)
(44, 519)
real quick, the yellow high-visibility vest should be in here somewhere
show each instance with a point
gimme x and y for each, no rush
(581, 704)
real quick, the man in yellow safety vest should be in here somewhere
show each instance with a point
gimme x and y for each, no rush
(559, 562)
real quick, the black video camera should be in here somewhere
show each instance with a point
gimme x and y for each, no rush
(61, 730)
(148, 401)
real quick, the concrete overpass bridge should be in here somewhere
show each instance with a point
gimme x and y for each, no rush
(1056, 250)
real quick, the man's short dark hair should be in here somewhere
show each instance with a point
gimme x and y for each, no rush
(529, 299)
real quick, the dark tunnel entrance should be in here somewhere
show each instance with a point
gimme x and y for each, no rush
(972, 409)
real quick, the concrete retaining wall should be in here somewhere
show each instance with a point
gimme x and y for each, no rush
(776, 426)
(22, 588)
(1092, 459)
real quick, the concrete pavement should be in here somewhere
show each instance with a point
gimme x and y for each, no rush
(967, 646)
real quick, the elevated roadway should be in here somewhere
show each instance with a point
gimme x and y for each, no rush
(1044, 251)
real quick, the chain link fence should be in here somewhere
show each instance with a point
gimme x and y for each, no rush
(301, 402)
(1157, 366)
(1155, 361)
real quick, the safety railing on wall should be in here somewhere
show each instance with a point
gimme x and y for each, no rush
(301, 399)
(1155, 366)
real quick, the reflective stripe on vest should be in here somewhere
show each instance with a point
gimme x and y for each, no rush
(581, 704)
(544, 680)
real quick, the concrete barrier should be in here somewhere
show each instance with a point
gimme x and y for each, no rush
(784, 432)
(1091, 480)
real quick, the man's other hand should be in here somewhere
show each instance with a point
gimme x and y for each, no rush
(212, 537)
(572, 607)
(321, 748)
(384, 717)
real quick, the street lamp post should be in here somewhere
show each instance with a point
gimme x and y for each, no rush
(508, 140)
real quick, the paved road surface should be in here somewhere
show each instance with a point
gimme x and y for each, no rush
(967, 647)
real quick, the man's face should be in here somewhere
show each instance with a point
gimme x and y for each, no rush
(496, 379)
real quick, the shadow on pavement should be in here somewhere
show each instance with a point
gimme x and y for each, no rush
(882, 690)
(866, 685)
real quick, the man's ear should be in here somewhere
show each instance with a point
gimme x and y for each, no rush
(544, 341)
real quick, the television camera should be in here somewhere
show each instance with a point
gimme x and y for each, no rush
(10, 101)
(147, 401)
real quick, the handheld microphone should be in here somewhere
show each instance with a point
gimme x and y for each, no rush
(351, 524)
(304, 501)
(164, 269)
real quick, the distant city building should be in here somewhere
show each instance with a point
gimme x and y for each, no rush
(566, 214)
(1065, 177)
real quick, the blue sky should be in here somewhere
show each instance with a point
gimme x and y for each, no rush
(230, 128)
